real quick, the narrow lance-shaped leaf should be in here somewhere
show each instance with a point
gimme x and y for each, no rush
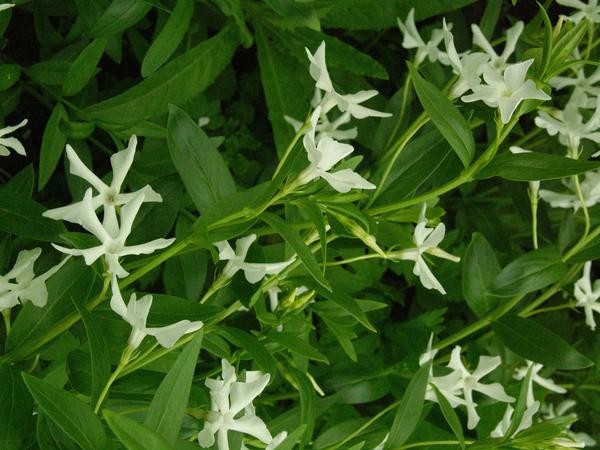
(445, 117)
(450, 416)
(307, 404)
(166, 411)
(53, 144)
(84, 66)
(71, 415)
(480, 268)
(169, 37)
(120, 15)
(16, 409)
(134, 435)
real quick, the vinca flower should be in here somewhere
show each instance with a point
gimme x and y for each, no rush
(350, 103)
(498, 62)
(426, 241)
(536, 378)
(109, 196)
(231, 408)
(526, 421)
(112, 246)
(413, 40)
(583, 85)
(11, 142)
(468, 67)
(506, 91)
(135, 313)
(25, 285)
(236, 261)
(589, 11)
(569, 125)
(587, 295)
(590, 190)
(325, 153)
(549, 411)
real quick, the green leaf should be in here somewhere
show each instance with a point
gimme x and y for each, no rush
(53, 144)
(316, 217)
(344, 336)
(521, 405)
(16, 409)
(22, 182)
(120, 15)
(167, 409)
(199, 163)
(409, 410)
(528, 273)
(177, 82)
(535, 166)
(134, 435)
(529, 339)
(169, 37)
(450, 416)
(480, 268)
(71, 415)
(445, 117)
(252, 345)
(83, 68)
(297, 345)
(22, 216)
(292, 237)
(9, 75)
(307, 404)
(99, 354)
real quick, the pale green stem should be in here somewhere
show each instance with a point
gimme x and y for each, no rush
(534, 208)
(428, 443)
(6, 316)
(125, 358)
(535, 312)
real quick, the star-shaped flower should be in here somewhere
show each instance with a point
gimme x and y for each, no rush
(135, 313)
(590, 189)
(587, 295)
(589, 11)
(25, 285)
(549, 411)
(11, 142)
(582, 84)
(426, 241)
(536, 378)
(112, 246)
(526, 421)
(325, 153)
(236, 261)
(506, 91)
(413, 40)
(498, 62)
(109, 196)
(231, 408)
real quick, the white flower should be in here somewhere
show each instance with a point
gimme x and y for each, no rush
(468, 67)
(231, 408)
(112, 247)
(589, 11)
(426, 241)
(109, 196)
(325, 153)
(236, 261)
(536, 378)
(506, 91)
(587, 295)
(4, 6)
(135, 313)
(579, 438)
(25, 285)
(498, 62)
(350, 103)
(590, 189)
(413, 40)
(526, 421)
(469, 382)
(583, 85)
(10, 142)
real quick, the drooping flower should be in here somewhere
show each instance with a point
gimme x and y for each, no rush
(498, 62)
(536, 378)
(108, 196)
(25, 285)
(470, 382)
(587, 295)
(569, 125)
(112, 246)
(426, 241)
(350, 103)
(413, 40)
(135, 313)
(236, 261)
(11, 142)
(506, 91)
(590, 190)
(589, 11)
(231, 408)
(325, 153)
(468, 67)
(526, 421)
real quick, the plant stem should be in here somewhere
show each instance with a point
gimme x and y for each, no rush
(6, 316)
(125, 357)
(534, 208)
(427, 443)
